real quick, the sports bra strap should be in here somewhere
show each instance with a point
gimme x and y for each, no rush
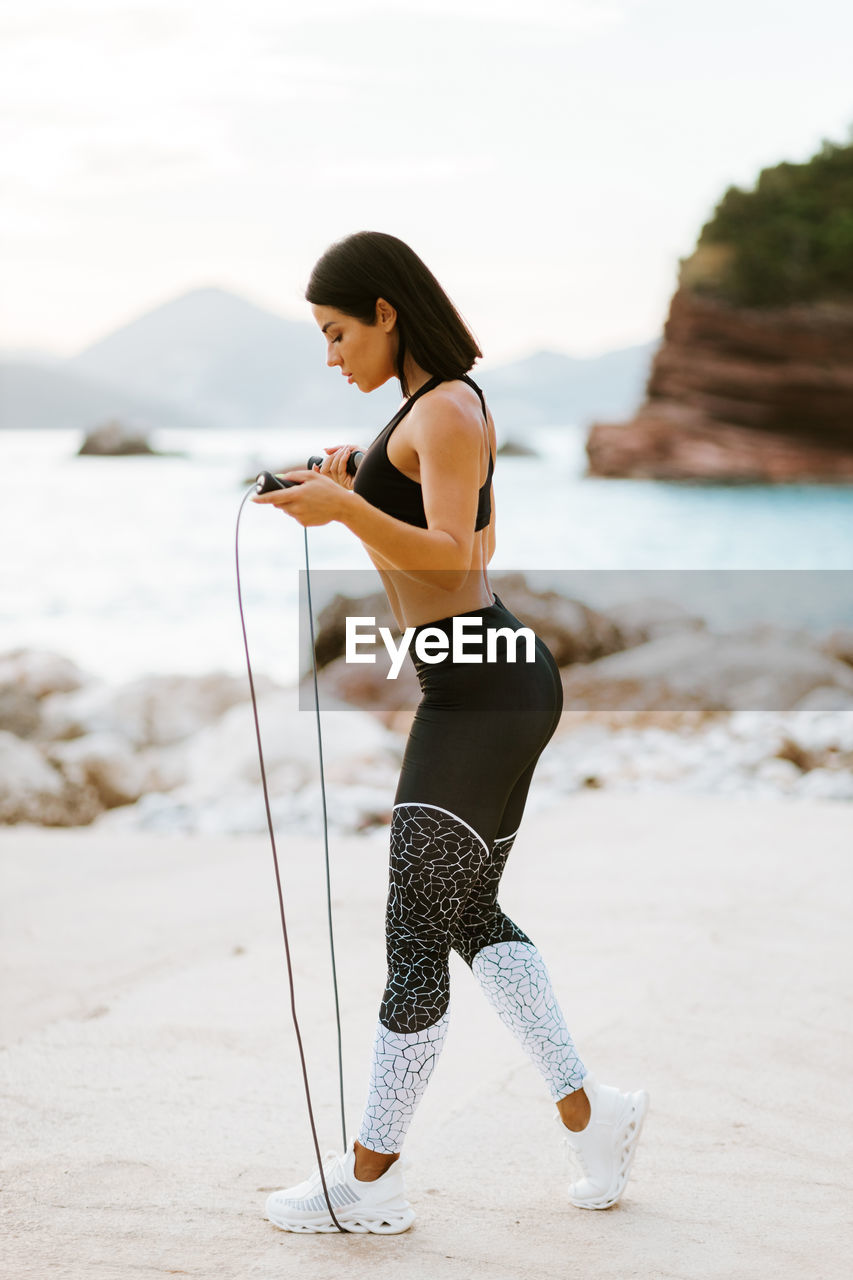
(416, 395)
(432, 382)
(472, 383)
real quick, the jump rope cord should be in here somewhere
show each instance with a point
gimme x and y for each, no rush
(294, 1017)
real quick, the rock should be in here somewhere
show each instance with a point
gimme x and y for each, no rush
(779, 773)
(820, 732)
(516, 449)
(698, 669)
(343, 684)
(215, 779)
(40, 672)
(330, 624)
(228, 750)
(740, 394)
(113, 439)
(27, 676)
(826, 784)
(152, 711)
(27, 783)
(572, 630)
(107, 765)
(31, 790)
(745, 752)
(20, 712)
(839, 644)
(649, 618)
(179, 753)
(826, 697)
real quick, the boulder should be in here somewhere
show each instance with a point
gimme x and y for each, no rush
(105, 764)
(27, 677)
(20, 712)
(153, 711)
(703, 670)
(573, 631)
(649, 618)
(31, 790)
(838, 643)
(40, 672)
(330, 624)
(226, 752)
(739, 394)
(516, 449)
(366, 686)
(113, 439)
(826, 697)
(214, 776)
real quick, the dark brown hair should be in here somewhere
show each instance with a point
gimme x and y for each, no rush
(355, 272)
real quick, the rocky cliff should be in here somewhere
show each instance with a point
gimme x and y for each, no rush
(740, 394)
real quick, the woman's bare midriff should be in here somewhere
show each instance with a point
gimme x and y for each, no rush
(414, 602)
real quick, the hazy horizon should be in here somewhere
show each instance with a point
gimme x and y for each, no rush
(550, 161)
(38, 355)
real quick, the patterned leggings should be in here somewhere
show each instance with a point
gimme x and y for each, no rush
(474, 743)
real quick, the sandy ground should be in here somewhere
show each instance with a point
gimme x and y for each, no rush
(700, 947)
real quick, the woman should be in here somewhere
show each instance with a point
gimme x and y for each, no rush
(422, 504)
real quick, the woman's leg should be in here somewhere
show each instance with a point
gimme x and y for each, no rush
(477, 732)
(511, 970)
(435, 858)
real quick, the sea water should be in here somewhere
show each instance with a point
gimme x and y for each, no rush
(127, 565)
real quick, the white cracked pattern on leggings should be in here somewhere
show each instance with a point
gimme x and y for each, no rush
(516, 983)
(402, 1065)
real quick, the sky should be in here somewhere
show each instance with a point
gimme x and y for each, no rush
(550, 160)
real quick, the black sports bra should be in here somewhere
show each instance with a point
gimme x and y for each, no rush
(386, 487)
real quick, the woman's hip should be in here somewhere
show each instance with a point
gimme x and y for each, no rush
(486, 660)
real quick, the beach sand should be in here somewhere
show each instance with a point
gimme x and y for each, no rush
(699, 946)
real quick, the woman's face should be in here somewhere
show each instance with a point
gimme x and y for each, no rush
(363, 352)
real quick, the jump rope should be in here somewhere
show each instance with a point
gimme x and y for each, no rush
(265, 483)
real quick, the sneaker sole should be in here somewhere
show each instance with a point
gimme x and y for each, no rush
(381, 1220)
(631, 1131)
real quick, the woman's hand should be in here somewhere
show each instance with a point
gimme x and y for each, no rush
(336, 464)
(316, 499)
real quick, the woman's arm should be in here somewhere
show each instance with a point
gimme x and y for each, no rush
(433, 556)
(446, 438)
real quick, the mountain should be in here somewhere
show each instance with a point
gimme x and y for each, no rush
(549, 388)
(35, 395)
(29, 355)
(231, 363)
(211, 358)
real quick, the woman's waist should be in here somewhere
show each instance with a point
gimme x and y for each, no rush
(488, 634)
(446, 623)
(436, 595)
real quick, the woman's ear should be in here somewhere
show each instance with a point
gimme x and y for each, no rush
(386, 315)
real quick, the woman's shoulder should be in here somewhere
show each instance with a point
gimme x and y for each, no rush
(450, 412)
(454, 399)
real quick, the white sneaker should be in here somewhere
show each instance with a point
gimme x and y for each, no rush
(605, 1148)
(380, 1207)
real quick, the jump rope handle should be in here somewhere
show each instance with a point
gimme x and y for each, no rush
(267, 481)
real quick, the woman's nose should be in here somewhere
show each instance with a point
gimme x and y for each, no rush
(332, 356)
